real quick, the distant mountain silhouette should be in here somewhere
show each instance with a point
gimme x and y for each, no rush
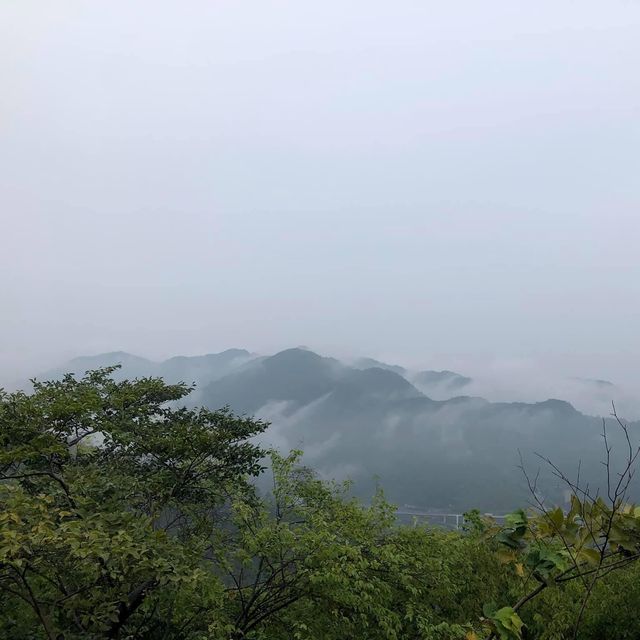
(369, 421)
(202, 369)
(370, 363)
(189, 369)
(362, 423)
(132, 366)
(296, 376)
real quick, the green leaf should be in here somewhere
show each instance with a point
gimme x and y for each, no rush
(557, 518)
(592, 556)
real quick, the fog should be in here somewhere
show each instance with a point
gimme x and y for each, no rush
(446, 185)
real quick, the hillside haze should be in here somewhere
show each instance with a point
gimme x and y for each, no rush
(373, 422)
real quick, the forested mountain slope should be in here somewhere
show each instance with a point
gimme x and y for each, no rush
(371, 424)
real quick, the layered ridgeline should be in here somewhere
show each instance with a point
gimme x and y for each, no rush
(192, 369)
(378, 423)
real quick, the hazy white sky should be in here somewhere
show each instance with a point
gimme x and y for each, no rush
(401, 179)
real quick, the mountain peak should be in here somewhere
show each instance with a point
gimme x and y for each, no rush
(371, 363)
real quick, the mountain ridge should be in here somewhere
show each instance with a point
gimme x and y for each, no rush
(368, 422)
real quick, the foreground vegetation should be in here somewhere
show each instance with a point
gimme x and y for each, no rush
(124, 515)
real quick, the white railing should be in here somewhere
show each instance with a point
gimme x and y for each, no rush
(449, 520)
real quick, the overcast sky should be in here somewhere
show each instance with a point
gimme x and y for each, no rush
(413, 180)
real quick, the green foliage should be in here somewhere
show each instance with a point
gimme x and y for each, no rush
(505, 622)
(108, 497)
(551, 548)
(124, 515)
(320, 563)
(552, 616)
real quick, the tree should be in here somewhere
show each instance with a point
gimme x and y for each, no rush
(109, 498)
(599, 534)
(311, 562)
(125, 515)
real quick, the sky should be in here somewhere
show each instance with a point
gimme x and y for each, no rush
(429, 182)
